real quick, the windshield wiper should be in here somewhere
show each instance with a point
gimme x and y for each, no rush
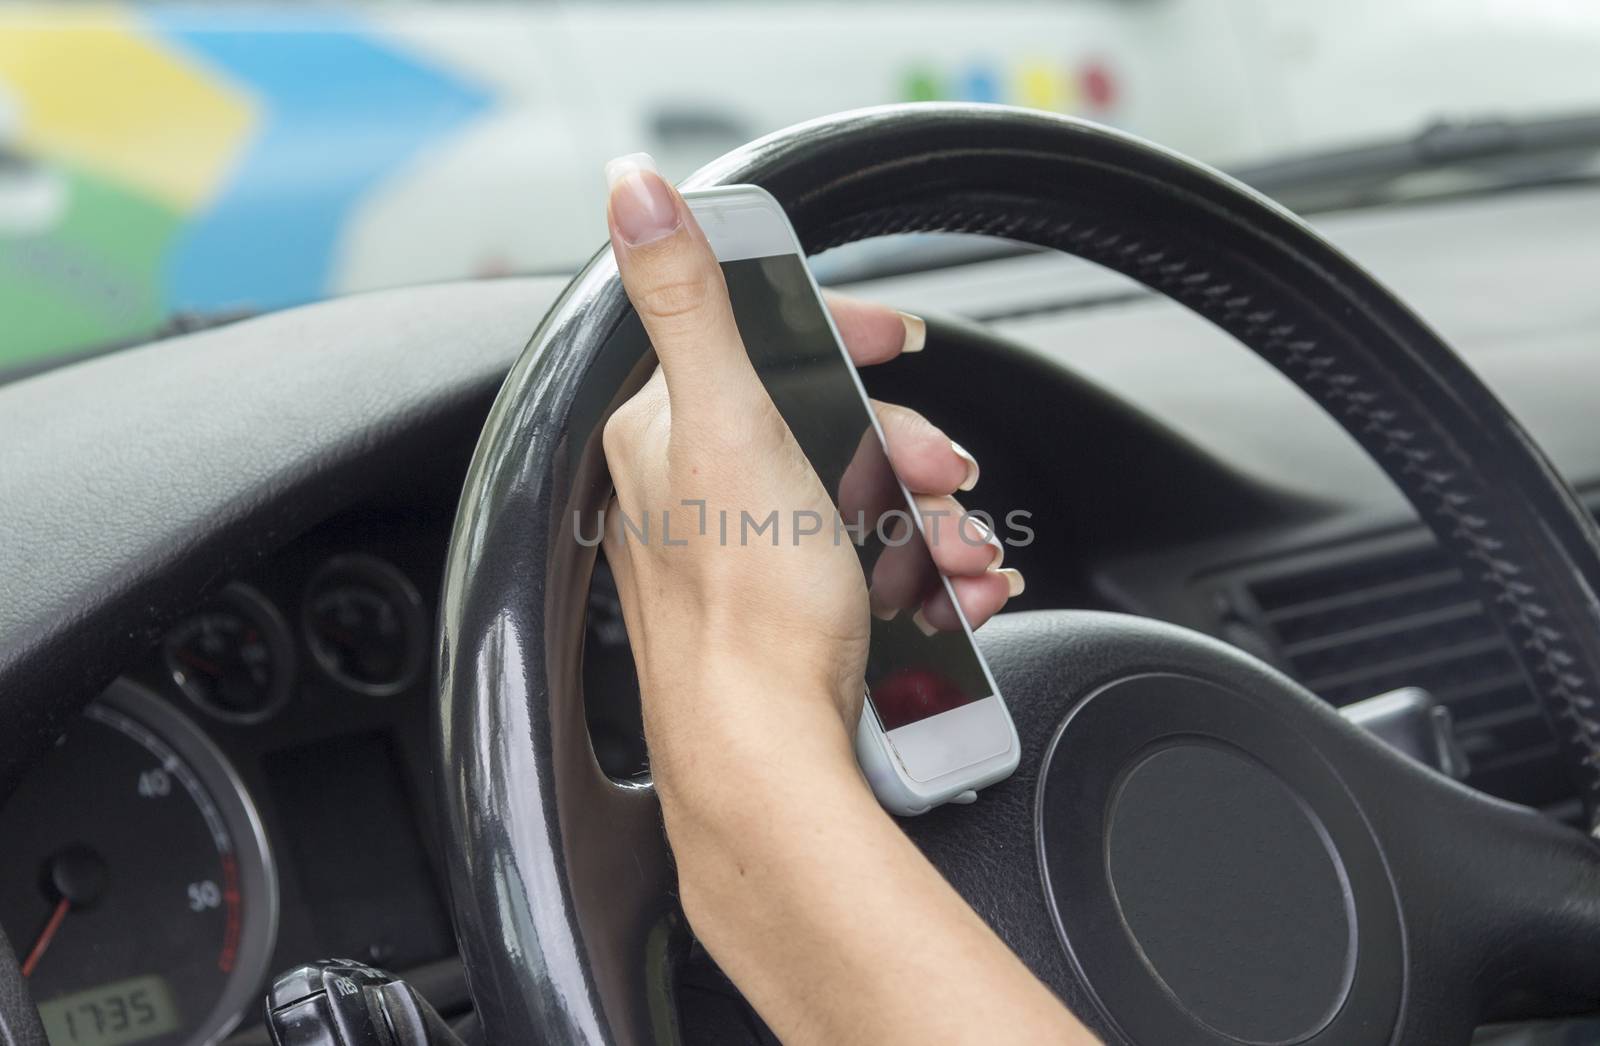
(1446, 158)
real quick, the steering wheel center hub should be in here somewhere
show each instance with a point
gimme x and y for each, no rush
(1257, 948)
(1209, 872)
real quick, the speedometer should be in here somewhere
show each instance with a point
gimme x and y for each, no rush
(137, 886)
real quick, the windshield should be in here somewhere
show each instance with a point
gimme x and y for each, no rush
(169, 165)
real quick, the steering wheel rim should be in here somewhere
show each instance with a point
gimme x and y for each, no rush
(561, 879)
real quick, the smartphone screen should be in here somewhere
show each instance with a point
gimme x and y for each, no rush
(910, 675)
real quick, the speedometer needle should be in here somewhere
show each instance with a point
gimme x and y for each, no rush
(48, 934)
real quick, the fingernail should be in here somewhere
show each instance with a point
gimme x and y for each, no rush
(921, 621)
(983, 534)
(1014, 582)
(916, 333)
(972, 465)
(642, 204)
(999, 554)
(881, 610)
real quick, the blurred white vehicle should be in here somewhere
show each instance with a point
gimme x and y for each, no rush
(312, 151)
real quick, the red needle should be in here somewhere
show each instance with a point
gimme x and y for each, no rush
(46, 936)
(210, 668)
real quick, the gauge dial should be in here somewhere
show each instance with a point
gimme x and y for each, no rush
(364, 625)
(234, 657)
(137, 886)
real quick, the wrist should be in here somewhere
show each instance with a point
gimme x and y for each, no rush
(746, 759)
(751, 841)
(740, 774)
(721, 719)
(726, 764)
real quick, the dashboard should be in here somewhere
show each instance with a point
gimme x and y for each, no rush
(256, 788)
(253, 792)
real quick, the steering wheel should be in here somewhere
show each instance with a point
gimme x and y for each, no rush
(1194, 849)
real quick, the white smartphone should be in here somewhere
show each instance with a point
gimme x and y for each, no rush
(935, 728)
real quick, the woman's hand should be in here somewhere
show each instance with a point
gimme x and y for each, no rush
(750, 658)
(741, 641)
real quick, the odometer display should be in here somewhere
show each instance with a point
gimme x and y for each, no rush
(136, 886)
(127, 1011)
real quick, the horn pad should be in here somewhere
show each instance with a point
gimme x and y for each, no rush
(1210, 875)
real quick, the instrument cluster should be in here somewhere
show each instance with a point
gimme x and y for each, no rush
(251, 795)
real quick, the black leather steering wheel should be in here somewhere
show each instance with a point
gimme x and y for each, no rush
(1194, 849)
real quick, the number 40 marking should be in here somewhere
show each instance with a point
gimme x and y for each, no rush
(155, 783)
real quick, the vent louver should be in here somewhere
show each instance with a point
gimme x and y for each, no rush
(1361, 626)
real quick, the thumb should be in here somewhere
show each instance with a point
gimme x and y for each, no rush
(673, 279)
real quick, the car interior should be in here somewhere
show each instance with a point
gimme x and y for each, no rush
(351, 694)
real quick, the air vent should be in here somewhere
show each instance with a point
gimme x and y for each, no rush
(1359, 626)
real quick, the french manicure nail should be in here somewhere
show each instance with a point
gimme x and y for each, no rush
(642, 205)
(972, 465)
(921, 621)
(1014, 582)
(881, 610)
(983, 534)
(916, 333)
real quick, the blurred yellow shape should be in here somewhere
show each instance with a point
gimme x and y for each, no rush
(1046, 85)
(95, 90)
